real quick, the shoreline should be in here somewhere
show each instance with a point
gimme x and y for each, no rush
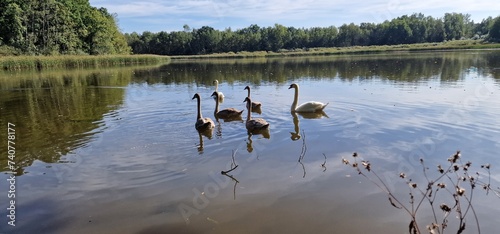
(440, 46)
(39, 63)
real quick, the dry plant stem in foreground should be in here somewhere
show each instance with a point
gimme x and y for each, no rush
(454, 184)
(233, 167)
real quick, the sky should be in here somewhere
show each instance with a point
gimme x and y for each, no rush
(171, 15)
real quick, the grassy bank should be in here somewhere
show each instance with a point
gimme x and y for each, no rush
(450, 45)
(18, 63)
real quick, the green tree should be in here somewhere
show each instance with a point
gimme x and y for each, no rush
(398, 32)
(180, 43)
(419, 30)
(316, 37)
(251, 38)
(416, 28)
(435, 30)
(484, 27)
(104, 36)
(11, 28)
(349, 35)
(277, 36)
(494, 33)
(205, 40)
(59, 27)
(454, 26)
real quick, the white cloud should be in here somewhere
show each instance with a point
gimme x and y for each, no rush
(137, 8)
(227, 13)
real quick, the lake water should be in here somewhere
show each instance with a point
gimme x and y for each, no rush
(116, 151)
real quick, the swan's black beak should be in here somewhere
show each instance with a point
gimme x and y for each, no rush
(291, 86)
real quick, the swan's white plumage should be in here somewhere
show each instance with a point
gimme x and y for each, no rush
(220, 94)
(311, 106)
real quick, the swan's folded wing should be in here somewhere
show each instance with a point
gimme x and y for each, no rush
(311, 106)
(258, 124)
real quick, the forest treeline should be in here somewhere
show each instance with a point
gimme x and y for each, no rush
(49, 27)
(415, 28)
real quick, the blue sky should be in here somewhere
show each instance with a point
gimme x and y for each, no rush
(171, 15)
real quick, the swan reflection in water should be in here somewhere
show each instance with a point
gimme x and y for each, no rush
(218, 126)
(208, 134)
(295, 135)
(264, 132)
(233, 119)
(315, 115)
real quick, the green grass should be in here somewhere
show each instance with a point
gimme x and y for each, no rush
(19, 63)
(450, 45)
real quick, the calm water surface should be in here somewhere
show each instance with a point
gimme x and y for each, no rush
(116, 151)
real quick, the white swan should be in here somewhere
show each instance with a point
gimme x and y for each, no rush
(254, 124)
(255, 105)
(221, 95)
(202, 124)
(228, 113)
(311, 106)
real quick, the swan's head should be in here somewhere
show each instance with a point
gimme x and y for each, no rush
(247, 99)
(196, 95)
(215, 94)
(295, 86)
(247, 88)
(216, 82)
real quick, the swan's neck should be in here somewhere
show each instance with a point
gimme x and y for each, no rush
(295, 99)
(199, 108)
(249, 110)
(248, 92)
(296, 122)
(216, 104)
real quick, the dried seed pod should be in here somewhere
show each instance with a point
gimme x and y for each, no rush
(454, 157)
(367, 165)
(487, 166)
(460, 191)
(445, 207)
(440, 169)
(345, 161)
